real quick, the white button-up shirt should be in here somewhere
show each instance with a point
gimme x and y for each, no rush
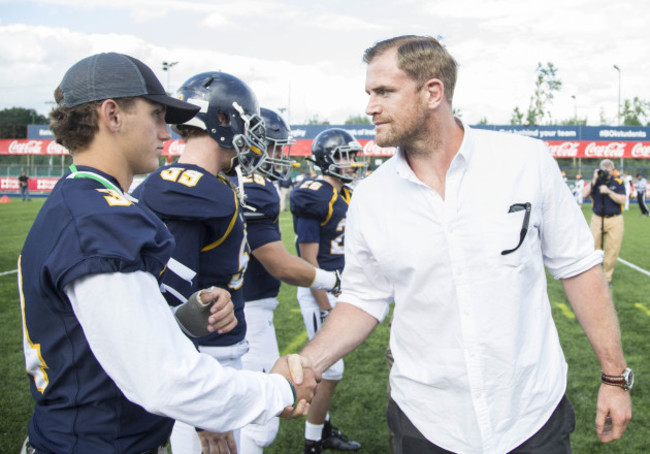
(478, 364)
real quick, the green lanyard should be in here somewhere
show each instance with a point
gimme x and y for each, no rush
(82, 174)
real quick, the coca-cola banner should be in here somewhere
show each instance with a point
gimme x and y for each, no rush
(563, 141)
(600, 150)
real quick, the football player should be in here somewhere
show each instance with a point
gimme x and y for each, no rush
(202, 210)
(109, 368)
(319, 208)
(270, 263)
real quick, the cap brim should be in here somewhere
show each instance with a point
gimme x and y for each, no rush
(177, 111)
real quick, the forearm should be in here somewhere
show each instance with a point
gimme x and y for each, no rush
(618, 198)
(345, 329)
(284, 266)
(157, 367)
(592, 304)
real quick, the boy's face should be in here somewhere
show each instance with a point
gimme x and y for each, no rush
(144, 132)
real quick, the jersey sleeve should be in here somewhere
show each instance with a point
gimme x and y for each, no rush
(312, 199)
(108, 233)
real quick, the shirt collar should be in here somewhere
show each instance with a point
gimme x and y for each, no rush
(462, 156)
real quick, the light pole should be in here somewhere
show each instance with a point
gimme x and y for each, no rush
(167, 66)
(619, 94)
(575, 109)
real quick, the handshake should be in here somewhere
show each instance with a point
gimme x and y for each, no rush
(302, 379)
(211, 310)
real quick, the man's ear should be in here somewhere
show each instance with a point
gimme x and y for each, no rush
(223, 119)
(434, 91)
(110, 115)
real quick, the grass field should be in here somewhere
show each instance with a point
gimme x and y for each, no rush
(359, 403)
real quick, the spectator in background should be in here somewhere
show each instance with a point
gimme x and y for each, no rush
(23, 182)
(627, 184)
(640, 186)
(578, 187)
(608, 197)
(284, 187)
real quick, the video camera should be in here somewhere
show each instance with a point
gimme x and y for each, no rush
(602, 178)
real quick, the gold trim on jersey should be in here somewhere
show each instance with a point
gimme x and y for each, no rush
(230, 226)
(42, 381)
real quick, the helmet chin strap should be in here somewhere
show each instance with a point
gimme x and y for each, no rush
(241, 194)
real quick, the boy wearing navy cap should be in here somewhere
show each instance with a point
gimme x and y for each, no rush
(109, 367)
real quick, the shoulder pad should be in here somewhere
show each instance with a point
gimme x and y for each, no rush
(311, 199)
(178, 192)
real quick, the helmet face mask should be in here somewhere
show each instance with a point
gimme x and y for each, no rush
(230, 115)
(277, 164)
(338, 154)
(250, 145)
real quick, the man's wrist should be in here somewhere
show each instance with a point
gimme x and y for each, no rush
(293, 391)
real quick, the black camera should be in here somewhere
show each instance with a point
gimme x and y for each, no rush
(602, 178)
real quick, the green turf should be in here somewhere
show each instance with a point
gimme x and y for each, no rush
(359, 403)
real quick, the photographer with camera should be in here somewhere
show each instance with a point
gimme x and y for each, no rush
(608, 197)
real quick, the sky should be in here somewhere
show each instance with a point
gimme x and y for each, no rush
(303, 57)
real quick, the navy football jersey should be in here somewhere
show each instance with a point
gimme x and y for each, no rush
(261, 212)
(83, 228)
(319, 213)
(202, 212)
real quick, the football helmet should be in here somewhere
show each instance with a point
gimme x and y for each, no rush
(337, 153)
(230, 114)
(277, 165)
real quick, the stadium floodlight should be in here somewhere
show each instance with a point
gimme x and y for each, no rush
(167, 66)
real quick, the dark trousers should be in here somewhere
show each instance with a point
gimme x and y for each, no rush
(552, 438)
(640, 198)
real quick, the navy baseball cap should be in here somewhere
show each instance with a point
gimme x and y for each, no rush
(112, 75)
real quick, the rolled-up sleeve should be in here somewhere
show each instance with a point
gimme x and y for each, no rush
(363, 285)
(567, 243)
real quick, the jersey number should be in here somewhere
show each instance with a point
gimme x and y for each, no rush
(238, 279)
(337, 245)
(185, 177)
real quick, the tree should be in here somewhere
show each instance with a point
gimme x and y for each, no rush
(14, 121)
(546, 85)
(573, 121)
(517, 117)
(635, 112)
(315, 120)
(357, 120)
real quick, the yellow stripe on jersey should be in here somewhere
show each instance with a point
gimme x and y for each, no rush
(230, 226)
(330, 207)
(34, 363)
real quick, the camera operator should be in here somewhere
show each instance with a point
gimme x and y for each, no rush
(608, 197)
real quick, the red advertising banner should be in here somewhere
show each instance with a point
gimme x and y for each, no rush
(302, 147)
(37, 184)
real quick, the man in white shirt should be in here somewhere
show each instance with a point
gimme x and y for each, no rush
(478, 365)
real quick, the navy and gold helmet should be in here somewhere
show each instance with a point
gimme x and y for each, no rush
(230, 114)
(337, 153)
(278, 164)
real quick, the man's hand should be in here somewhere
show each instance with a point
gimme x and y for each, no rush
(604, 189)
(613, 412)
(207, 311)
(216, 443)
(297, 370)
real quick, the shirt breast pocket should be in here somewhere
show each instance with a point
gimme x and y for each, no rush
(511, 241)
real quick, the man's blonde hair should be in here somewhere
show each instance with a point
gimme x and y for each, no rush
(421, 57)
